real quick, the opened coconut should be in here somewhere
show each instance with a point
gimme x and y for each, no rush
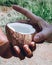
(20, 33)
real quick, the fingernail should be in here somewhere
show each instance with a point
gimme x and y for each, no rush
(32, 44)
(26, 47)
(17, 49)
(28, 51)
(36, 38)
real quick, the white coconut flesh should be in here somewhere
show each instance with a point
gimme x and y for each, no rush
(21, 28)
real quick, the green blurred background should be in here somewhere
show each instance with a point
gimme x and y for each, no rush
(42, 8)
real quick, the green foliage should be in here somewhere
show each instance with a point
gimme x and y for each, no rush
(41, 8)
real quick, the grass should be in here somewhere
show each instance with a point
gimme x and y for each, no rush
(42, 8)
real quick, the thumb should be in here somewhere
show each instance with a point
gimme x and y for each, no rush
(42, 36)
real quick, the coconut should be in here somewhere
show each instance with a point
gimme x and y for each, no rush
(20, 33)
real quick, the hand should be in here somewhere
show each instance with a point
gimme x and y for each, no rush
(44, 30)
(4, 43)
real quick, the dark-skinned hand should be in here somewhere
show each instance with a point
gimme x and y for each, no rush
(44, 32)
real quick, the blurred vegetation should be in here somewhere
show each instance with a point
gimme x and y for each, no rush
(42, 8)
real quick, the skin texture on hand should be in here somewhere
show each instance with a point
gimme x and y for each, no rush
(3, 38)
(44, 32)
(4, 43)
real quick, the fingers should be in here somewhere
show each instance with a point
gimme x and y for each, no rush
(43, 35)
(18, 52)
(27, 50)
(24, 21)
(27, 13)
(7, 54)
(32, 46)
(31, 16)
(39, 37)
(17, 49)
